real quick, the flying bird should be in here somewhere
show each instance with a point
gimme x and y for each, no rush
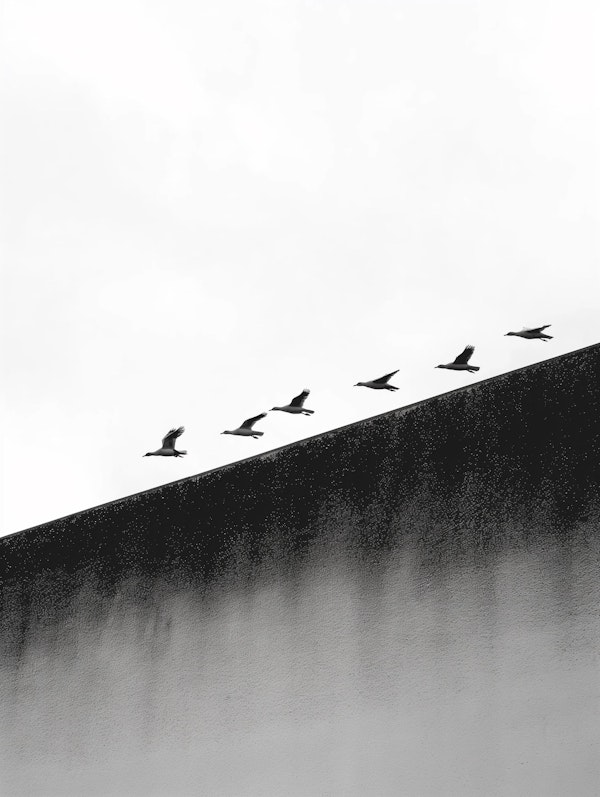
(168, 445)
(379, 384)
(246, 430)
(462, 362)
(296, 405)
(532, 333)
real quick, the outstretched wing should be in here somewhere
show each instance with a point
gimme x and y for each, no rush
(386, 378)
(536, 329)
(170, 437)
(464, 357)
(298, 401)
(251, 421)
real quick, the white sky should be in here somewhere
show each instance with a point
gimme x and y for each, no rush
(212, 205)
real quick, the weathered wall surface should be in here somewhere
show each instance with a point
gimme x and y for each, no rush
(408, 605)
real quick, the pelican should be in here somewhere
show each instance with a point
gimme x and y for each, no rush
(532, 333)
(168, 445)
(462, 362)
(296, 405)
(379, 384)
(246, 430)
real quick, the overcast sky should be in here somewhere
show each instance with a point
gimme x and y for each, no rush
(212, 205)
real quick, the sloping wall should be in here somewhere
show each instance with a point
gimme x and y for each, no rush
(407, 605)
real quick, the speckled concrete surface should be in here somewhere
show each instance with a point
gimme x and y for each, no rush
(408, 605)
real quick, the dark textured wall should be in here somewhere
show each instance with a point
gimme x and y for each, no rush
(346, 558)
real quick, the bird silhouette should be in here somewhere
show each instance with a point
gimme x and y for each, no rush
(245, 429)
(296, 405)
(168, 445)
(379, 384)
(462, 362)
(532, 333)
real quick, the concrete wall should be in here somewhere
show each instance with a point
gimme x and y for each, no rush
(408, 605)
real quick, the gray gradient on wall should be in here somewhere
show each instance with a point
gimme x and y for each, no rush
(408, 605)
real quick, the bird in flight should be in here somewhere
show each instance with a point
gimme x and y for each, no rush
(462, 362)
(379, 384)
(296, 405)
(532, 333)
(168, 445)
(246, 430)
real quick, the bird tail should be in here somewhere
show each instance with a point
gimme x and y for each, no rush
(180, 453)
(474, 368)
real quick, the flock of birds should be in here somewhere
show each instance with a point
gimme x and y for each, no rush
(296, 405)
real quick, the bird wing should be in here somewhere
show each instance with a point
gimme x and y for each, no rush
(171, 436)
(385, 378)
(251, 421)
(536, 329)
(299, 400)
(464, 357)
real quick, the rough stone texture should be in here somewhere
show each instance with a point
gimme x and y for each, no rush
(370, 541)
